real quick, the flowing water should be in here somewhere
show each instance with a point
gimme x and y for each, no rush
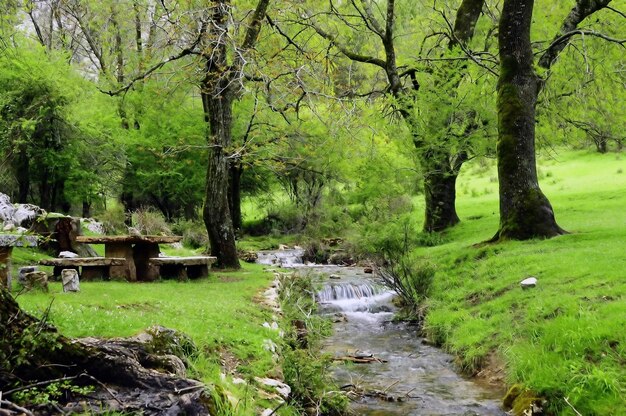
(406, 376)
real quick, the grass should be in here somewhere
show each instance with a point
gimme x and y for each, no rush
(221, 314)
(565, 338)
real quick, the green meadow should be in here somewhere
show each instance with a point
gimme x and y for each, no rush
(563, 341)
(565, 338)
(223, 314)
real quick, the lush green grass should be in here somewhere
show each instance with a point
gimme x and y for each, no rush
(220, 313)
(566, 337)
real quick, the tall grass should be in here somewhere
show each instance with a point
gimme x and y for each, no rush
(565, 338)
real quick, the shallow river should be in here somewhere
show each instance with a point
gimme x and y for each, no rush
(411, 378)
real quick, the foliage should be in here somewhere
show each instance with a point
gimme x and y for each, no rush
(150, 222)
(194, 234)
(306, 371)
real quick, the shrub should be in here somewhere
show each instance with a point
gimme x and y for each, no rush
(194, 233)
(150, 222)
(410, 278)
(112, 220)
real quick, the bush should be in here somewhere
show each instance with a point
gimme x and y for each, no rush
(411, 278)
(150, 222)
(194, 233)
(113, 220)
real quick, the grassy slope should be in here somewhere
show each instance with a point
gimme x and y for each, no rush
(566, 337)
(220, 313)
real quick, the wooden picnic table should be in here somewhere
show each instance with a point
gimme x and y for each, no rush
(7, 242)
(136, 249)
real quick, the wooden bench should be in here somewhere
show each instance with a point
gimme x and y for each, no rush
(91, 267)
(183, 268)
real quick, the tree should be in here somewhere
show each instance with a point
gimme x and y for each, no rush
(440, 160)
(219, 88)
(525, 212)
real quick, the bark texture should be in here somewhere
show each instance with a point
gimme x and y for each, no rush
(525, 212)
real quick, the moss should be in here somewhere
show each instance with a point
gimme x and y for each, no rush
(510, 396)
(521, 400)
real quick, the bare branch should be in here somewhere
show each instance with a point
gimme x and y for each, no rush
(582, 10)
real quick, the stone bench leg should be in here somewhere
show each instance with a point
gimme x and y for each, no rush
(176, 271)
(95, 272)
(197, 271)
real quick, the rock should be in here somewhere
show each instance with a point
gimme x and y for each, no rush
(339, 317)
(94, 226)
(281, 388)
(9, 226)
(249, 256)
(36, 280)
(67, 255)
(368, 270)
(528, 282)
(334, 277)
(340, 258)
(283, 247)
(21, 277)
(6, 208)
(25, 213)
(70, 280)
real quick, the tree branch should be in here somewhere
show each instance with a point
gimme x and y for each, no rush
(582, 10)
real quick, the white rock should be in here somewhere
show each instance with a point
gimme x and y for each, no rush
(237, 380)
(269, 345)
(24, 212)
(8, 227)
(528, 282)
(67, 255)
(281, 388)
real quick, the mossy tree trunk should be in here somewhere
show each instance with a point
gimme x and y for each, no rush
(441, 166)
(220, 87)
(216, 212)
(525, 212)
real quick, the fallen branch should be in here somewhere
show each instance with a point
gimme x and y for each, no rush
(360, 359)
(573, 408)
(41, 383)
(18, 409)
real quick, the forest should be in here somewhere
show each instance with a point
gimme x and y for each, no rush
(412, 136)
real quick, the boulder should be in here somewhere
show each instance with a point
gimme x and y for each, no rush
(67, 254)
(71, 282)
(36, 280)
(21, 277)
(528, 282)
(249, 256)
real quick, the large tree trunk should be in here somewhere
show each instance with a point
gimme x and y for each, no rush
(525, 212)
(439, 192)
(216, 212)
(442, 169)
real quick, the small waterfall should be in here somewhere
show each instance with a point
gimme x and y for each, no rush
(343, 291)
(360, 296)
(281, 258)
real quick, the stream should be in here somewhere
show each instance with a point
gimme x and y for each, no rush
(407, 376)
